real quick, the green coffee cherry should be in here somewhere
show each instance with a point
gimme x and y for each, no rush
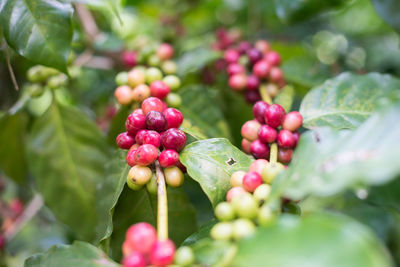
(172, 81)
(35, 74)
(243, 228)
(154, 61)
(173, 100)
(262, 192)
(245, 206)
(34, 89)
(184, 256)
(265, 216)
(153, 74)
(222, 231)
(132, 184)
(270, 171)
(151, 186)
(121, 78)
(169, 67)
(243, 60)
(224, 211)
(58, 81)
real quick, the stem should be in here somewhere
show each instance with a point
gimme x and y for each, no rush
(10, 69)
(162, 209)
(264, 94)
(273, 156)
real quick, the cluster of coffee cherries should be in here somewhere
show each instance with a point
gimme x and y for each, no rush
(247, 204)
(154, 76)
(142, 248)
(151, 128)
(41, 77)
(271, 125)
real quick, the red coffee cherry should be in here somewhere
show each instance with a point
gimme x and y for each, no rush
(243, 47)
(231, 56)
(139, 136)
(138, 111)
(263, 46)
(250, 130)
(168, 158)
(252, 96)
(285, 155)
(129, 58)
(156, 121)
(275, 75)
(296, 136)
(254, 55)
(173, 139)
(259, 109)
(152, 104)
(142, 237)
(292, 121)
(267, 134)
(238, 81)
(174, 117)
(159, 89)
(165, 51)
(130, 157)
(273, 58)
(235, 68)
(152, 138)
(134, 123)
(124, 140)
(134, 259)
(253, 82)
(146, 154)
(261, 69)
(162, 253)
(123, 94)
(274, 115)
(285, 139)
(246, 146)
(233, 192)
(251, 181)
(259, 150)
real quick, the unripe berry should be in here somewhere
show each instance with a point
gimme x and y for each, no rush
(134, 123)
(129, 58)
(121, 78)
(258, 165)
(243, 228)
(172, 81)
(151, 186)
(136, 77)
(272, 89)
(224, 211)
(273, 58)
(152, 104)
(267, 134)
(274, 115)
(231, 56)
(173, 139)
(262, 192)
(265, 216)
(285, 139)
(250, 130)
(259, 150)
(123, 94)
(146, 154)
(222, 231)
(237, 178)
(174, 117)
(153, 74)
(140, 175)
(165, 51)
(259, 110)
(132, 185)
(156, 121)
(285, 155)
(127, 249)
(124, 140)
(292, 121)
(169, 67)
(275, 75)
(152, 138)
(174, 100)
(235, 68)
(142, 237)
(162, 253)
(251, 181)
(254, 55)
(270, 171)
(262, 46)
(134, 259)
(238, 82)
(253, 82)
(58, 81)
(234, 192)
(173, 176)
(141, 92)
(245, 205)
(168, 158)
(252, 96)
(261, 69)
(159, 89)
(154, 61)
(140, 136)
(184, 256)
(246, 146)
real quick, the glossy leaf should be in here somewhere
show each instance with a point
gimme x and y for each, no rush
(78, 254)
(285, 97)
(40, 30)
(211, 163)
(203, 232)
(210, 252)
(67, 155)
(194, 60)
(389, 12)
(348, 99)
(316, 240)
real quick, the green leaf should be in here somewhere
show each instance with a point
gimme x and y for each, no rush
(211, 163)
(118, 125)
(12, 148)
(194, 60)
(389, 11)
(316, 240)
(67, 155)
(327, 161)
(40, 30)
(348, 99)
(203, 232)
(210, 252)
(285, 97)
(78, 254)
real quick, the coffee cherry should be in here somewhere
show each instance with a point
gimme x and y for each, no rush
(152, 104)
(262, 46)
(153, 61)
(270, 171)
(165, 51)
(262, 192)
(121, 78)
(250, 130)
(151, 186)
(237, 178)
(123, 94)
(174, 117)
(235, 68)
(292, 121)
(168, 158)
(252, 96)
(172, 81)
(124, 140)
(246, 146)
(243, 228)
(159, 89)
(234, 192)
(273, 58)
(253, 82)
(162, 253)
(173, 139)
(275, 75)
(272, 89)
(174, 100)
(224, 211)
(296, 136)
(135, 259)
(222, 231)
(243, 47)
(251, 181)
(139, 136)
(261, 69)
(134, 123)
(136, 77)
(130, 157)
(174, 176)
(285, 139)
(274, 115)
(140, 175)
(267, 134)
(285, 155)
(127, 249)
(138, 111)
(238, 82)
(140, 93)
(129, 58)
(259, 150)
(254, 55)
(265, 216)
(259, 110)
(231, 56)
(156, 121)
(142, 237)
(258, 165)
(184, 256)
(153, 74)
(152, 138)
(146, 154)
(245, 205)
(169, 67)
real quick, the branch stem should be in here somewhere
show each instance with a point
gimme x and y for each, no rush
(162, 209)
(273, 156)
(10, 69)
(264, 94)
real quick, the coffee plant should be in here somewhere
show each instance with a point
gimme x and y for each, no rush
(199, 133)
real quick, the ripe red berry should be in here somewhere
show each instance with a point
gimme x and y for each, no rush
(251, 181)
(174, 117)
(168, 158)
(159, 89)
(134, 123)
(246, 146)
(156, 121)
(181, 167)
(139, 136)
(124, 140)
(233, 192)
(134, 259)
(129, 58)
(165, 51)
(262, 45)
(238, 81)
(142, 237)
(152, 138)
(292, 121)
(261, 69)
(254, 55)
(252, 96)
(285, 155)
(274, 115)
(152, 104)
(146, 154)
(235, 68)
(253, 82)
(258, 166)
(173, 139)
(275, 75)
(273, 58)
(259, 110)
(162, 253)
(130, 157)
(231, 56)
(259, 150)
(138, 111)
(296, 136)
(250, 129)
(285, 139)
(267, 134)
(243, 47)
